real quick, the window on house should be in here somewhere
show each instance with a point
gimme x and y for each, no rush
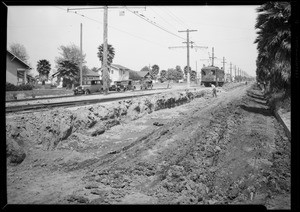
(112, 71)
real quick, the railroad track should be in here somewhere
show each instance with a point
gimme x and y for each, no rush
(18, 108)
(65, 96)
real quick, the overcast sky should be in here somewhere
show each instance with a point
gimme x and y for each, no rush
(138, 43)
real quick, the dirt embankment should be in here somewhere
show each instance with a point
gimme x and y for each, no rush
(45, 130)
(224, 150)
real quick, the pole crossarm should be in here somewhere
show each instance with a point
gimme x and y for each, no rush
(188, 30)
(188, 52)
(109, 7)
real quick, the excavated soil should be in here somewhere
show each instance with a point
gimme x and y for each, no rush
(176, 148)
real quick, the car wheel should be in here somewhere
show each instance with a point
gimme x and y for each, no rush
(87, 92)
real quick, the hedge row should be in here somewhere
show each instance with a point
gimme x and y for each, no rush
(22, 87)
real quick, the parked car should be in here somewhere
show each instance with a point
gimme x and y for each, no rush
(146, 84)
(123, 85)
(88, 87)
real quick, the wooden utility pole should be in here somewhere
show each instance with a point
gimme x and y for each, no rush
(224, 65)
(192, 46)
(212, 57)
(234, 73)
(105, 52)
(230, 72)
(81, 58)
(188, 53)
(105, 75)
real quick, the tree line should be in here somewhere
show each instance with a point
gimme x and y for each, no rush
(68, 63)
(273, 64)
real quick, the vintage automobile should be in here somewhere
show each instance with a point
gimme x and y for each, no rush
(88, 87)
(146, 84)
(123, 85)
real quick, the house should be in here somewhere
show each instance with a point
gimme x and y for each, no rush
(86, 75)
(17, 70)
(144, 74)
(90, 75)
(117, 73)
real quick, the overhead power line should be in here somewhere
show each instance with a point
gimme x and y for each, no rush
(110, 26)
(153, 23)
(174, 17)
(163, 18)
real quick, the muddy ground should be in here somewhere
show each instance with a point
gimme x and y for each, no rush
(177, 148)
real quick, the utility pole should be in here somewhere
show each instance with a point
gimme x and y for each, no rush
(234, 73)
(105, 51)
(230, 72)
(105, 65)
(80, 67)
(192, 46)
(188, 53)
(212, 57)
(224, 65)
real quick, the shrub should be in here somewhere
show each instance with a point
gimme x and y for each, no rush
(11, 87)
(22, 87)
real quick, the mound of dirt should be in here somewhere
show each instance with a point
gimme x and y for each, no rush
(45, 130)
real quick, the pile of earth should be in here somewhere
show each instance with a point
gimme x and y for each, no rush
(45, 130)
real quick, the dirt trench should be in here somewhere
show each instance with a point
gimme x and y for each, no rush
(226, 150)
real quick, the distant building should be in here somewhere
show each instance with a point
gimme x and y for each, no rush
(144, 74)
(90, 75)
(17, 70)
(117, 73)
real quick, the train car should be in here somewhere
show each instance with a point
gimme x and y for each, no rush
(212, 75)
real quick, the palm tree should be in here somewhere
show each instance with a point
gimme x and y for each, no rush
(110, 56)
(69, 71)
(274, 44)
(43, 67)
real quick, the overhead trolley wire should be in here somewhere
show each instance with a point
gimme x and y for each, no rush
(153, 23)
(115, 28)
(163, 18)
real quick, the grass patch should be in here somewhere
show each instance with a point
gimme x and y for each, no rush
(10, 95)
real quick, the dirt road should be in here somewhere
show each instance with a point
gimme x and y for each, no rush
(224, 150)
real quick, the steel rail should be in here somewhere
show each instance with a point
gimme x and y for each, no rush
(68, 96)
(11, 109)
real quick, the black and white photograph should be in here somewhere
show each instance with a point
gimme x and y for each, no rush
(148, 104)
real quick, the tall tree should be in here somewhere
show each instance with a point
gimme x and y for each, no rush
(69, 71)
(173, 74)
(20, 51)
(274, 44)
(154, 71)
(43, 67)
(70, 53)
(110, 56)
(180, 72)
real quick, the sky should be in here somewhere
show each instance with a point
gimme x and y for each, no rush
(228, 29)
